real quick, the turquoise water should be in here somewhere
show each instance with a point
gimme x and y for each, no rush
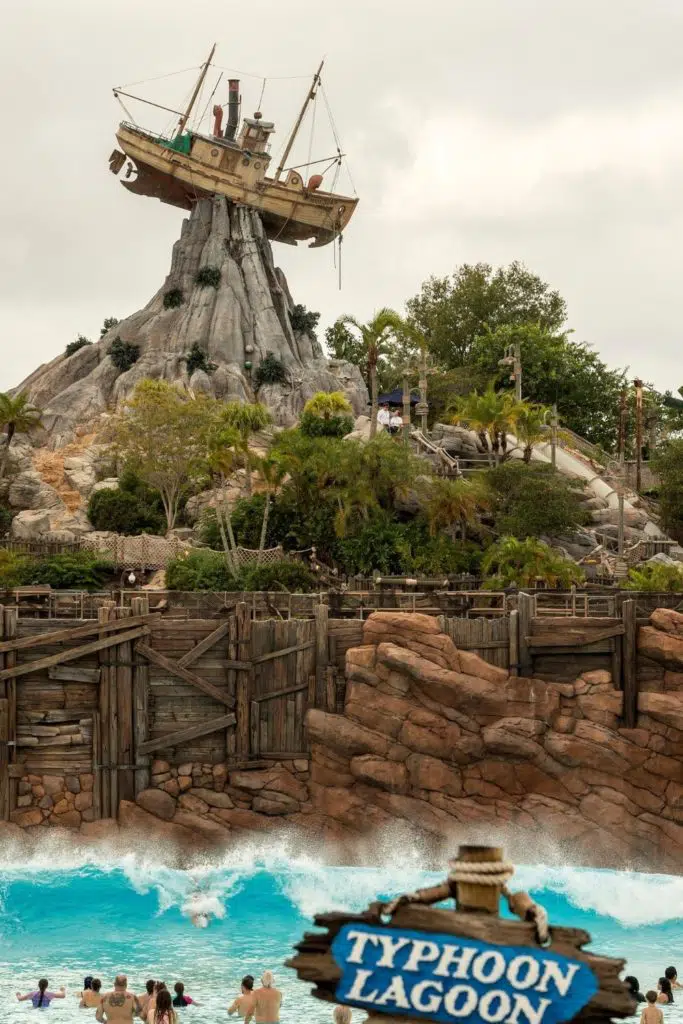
(65, 915)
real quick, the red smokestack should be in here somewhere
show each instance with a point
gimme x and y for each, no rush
(217, 121)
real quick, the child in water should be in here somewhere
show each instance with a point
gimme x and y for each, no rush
(651, 1014)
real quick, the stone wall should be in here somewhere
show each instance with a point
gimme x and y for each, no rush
(436, 739)
(63, 801)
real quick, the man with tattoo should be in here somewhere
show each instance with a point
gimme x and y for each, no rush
(119, 1006)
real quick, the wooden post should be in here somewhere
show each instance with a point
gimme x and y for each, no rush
(406, 410)
(123, 655)
(10, 616)
(629, 655)
(638, 385)
(473, 897)
(103, 614)
(243, 688)
(321, 655)
(524, 607)
(513, 643)
(96, 770)
(4, 733)
(140, 698)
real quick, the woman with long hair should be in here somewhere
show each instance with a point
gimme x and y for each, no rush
(665, 993)
(91, 996)
(163, 1012)
(41, 999)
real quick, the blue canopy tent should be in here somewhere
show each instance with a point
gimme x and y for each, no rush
(396, 397)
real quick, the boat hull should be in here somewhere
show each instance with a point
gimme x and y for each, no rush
(290, 212)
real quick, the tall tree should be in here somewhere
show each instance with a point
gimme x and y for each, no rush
(453, 311)
(272, 470)
(17, 416)
(163, 435)
(385, 326)
(491, 415)
(530, 426)
(248, 418)
(454, 505)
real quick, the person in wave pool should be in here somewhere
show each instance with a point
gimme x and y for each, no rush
(91, 996)
(634, 988)
(265, 1008)
(42, 998)
(651, 1014)
(163, 1012)
(341, 1015)
(144, 999)
(671, 974)
(180, 999)
(242, 1004)
(120, 1005)
(665, 993)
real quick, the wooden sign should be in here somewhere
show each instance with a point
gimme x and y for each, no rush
(434, 977)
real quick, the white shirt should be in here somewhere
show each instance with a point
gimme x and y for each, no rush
(384, 417)
(396, 420)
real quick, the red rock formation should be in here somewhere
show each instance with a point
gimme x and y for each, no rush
(437, 739)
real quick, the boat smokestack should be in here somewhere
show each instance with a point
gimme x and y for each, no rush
(233, 108)
(217, 121)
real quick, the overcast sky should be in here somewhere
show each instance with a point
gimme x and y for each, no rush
(549, 131)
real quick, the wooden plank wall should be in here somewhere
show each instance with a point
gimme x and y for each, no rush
(489, 638)
(276, 724)
(342, 635)
(174, 704)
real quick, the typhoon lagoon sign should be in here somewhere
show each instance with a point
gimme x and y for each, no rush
(447, 978)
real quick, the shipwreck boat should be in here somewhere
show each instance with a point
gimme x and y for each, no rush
(188, 165)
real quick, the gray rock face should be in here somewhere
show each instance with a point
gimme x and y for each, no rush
(242, 320)
(29, 491)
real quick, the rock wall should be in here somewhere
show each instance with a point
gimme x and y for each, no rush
(62, 801)
(241, 320)
(437, 739)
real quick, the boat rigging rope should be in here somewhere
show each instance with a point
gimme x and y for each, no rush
(260, 99)
(209, 99)
(125, 110)
(170, 74)
(312, 131)
(336, 136)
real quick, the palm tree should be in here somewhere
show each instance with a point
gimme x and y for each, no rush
(328, 404)
(523, 562)
(454, 505)
(19, 416)
(223, 452)
(530, 426)
(373, 335)
(246, 418)
(273, 472)
(491, 416)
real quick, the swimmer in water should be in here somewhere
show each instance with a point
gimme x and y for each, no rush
(242, 1004)
(200, 920)
(651, 1013)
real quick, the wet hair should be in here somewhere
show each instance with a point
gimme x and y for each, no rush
(248, 982)
(42, 988)
(96, 985)
(149, 985)
(341, 1015)
(180, 999)
(267, 979)
(633, 984)
(164, 1004)
(665, 987)
(671, 973)
(87, 982)
(651, 996)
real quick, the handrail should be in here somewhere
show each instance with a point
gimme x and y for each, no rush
(433, 449)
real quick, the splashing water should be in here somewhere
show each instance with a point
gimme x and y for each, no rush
(65, 914)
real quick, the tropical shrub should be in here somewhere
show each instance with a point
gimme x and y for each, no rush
(123, 354)
(246, 517)
(289, 575)
(655, 577)
(303, 321)
(668, 464)
(109, 322)
(523, 563)
(327, 414)
(123, 512)
(270, 370)
(208, 277)
(80, 342)
(6, 517)
(200, 570)
(173, 298)
(12, 569)
(78, 570)
(534, 500)
(196, 359)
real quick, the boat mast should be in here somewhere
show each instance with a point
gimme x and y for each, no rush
(295, 129)
(200, 81)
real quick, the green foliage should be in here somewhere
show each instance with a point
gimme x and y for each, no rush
(79, 570)
(491, 414)
(200, 570)
(208, 277)
(303, 321)
(668, 464)
(173, 298)
(391, 547)
(247, 518)
(288, 575)
(452, 312)
(123, 354)
(557, 370)
(12, 569)
(454, 506)
(655, 577)
(270, 371)
(533, 500)
(6, 517)
(525, 563)
(109, 322)
(196, 359)
(446, 387)
(344, 344)
(327, 414)
(119, 510)
(73, 346)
